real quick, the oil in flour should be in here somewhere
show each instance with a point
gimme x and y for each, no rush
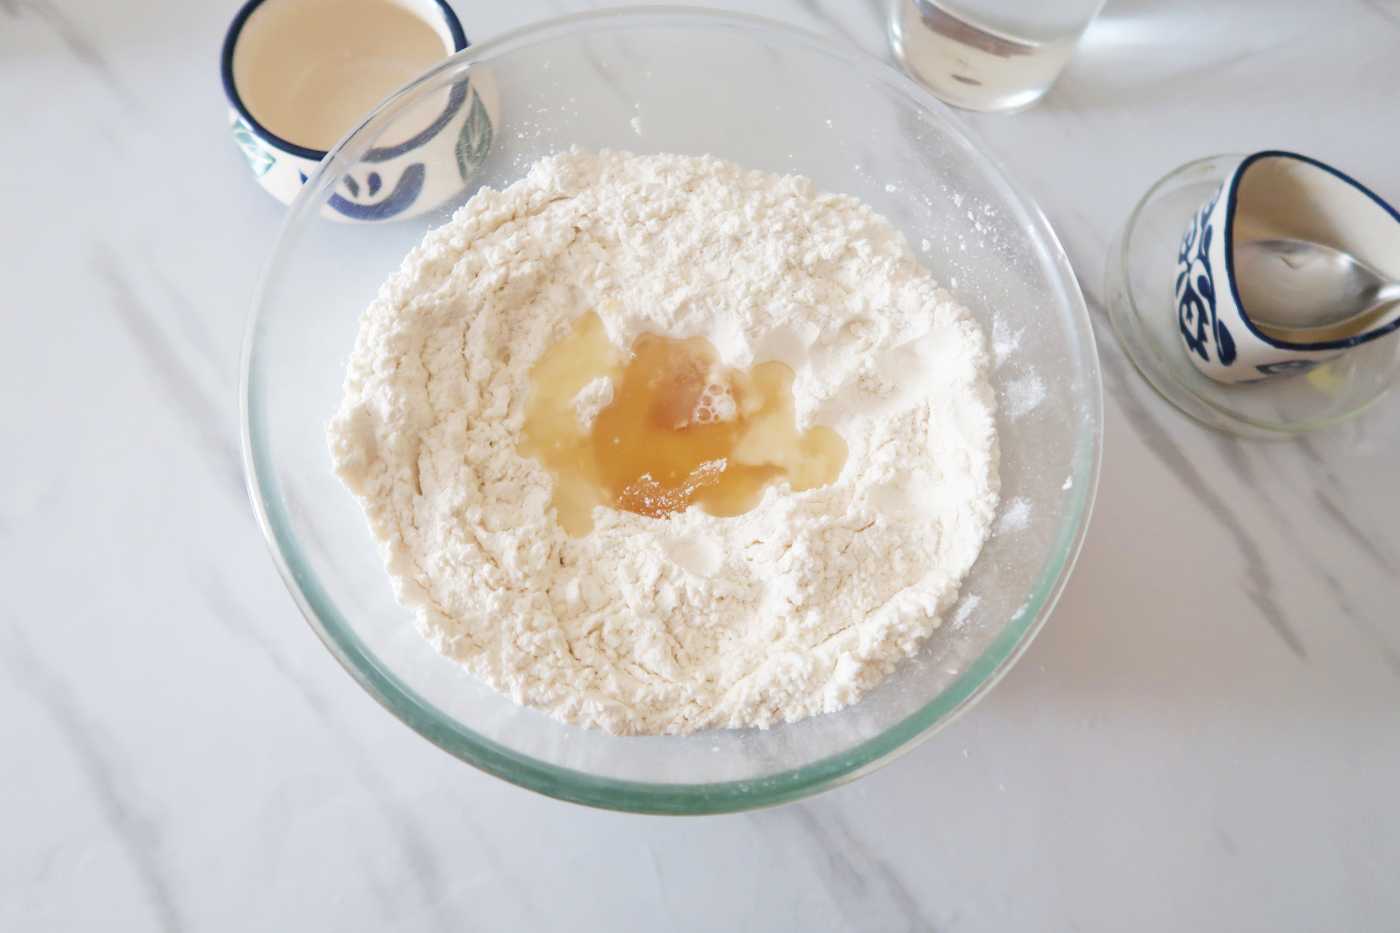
(680, 429)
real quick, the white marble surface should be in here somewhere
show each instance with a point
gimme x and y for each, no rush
(1206, 735)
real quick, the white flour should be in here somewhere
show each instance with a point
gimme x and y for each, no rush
(689, 622)
(591, 399)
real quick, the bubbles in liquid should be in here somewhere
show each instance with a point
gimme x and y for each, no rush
(716, 403)
(681, 430)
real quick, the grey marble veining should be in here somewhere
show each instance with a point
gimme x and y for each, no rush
(138, 832)
(1204, 736)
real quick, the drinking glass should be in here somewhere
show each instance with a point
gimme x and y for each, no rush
(988, 54)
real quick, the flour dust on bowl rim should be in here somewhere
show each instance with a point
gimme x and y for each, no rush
(767, 97)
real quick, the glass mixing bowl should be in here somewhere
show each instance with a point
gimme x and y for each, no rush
(768, 97)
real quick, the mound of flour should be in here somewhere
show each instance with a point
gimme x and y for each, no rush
(690, 622)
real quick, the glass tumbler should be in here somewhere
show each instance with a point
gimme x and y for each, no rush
(992, 55)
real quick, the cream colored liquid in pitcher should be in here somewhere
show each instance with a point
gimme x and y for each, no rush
(310, 71)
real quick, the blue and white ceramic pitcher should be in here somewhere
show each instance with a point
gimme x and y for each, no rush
(431, 164)
(1272, 195)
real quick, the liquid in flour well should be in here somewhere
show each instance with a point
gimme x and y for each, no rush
(681, 429)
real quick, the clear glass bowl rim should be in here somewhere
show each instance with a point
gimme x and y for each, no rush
(449, 734)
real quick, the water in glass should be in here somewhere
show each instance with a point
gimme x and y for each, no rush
(988, 54)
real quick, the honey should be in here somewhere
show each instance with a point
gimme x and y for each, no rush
(682, 429)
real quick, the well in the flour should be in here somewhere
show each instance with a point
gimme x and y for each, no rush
(678, 429)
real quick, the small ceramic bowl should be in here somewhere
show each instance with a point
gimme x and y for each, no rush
(449, 139)
(1269, 195)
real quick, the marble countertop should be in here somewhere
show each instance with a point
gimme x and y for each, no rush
(1205, 736)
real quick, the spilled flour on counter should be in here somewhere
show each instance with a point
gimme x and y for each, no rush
(670, 625)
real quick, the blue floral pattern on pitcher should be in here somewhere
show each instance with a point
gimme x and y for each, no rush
(1288, 367)
(259, 159)
(1195, 291)
(474, 139)
(366, 207)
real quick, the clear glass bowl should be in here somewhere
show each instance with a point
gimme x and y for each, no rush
(768, 97)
